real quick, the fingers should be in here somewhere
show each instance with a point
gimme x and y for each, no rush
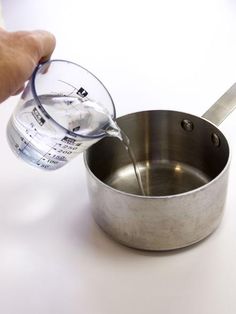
(45, 43)
(20, 52)
(19, 90)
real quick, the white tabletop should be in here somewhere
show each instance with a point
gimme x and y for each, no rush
(151, 55)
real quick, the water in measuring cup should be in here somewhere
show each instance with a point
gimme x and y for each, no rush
(35, 137)
(83, 117)
(43, 143)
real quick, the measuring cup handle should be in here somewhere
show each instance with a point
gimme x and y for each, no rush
(222, 107)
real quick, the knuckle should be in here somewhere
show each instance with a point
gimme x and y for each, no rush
(28, 40)
(33, 42)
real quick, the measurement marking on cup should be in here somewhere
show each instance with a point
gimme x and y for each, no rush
(82, 92)
(79, 91)
(68, 140)
(43, 156)
(25, 142)
(38, 116)
(65, 150)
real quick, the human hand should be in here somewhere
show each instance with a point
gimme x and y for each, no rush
(20, 52)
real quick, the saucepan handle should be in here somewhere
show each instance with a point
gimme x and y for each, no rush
(222, 107)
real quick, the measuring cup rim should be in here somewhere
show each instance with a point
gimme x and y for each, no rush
(33, 88)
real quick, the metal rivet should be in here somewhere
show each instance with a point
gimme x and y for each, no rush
(215, 139)
(187, 125)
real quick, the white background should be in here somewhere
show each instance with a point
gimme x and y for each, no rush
(150, 55)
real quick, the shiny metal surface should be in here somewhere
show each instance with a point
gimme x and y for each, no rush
(159, 178)
(222, 108)
(184, 163)
(184, 173)
(171, 159)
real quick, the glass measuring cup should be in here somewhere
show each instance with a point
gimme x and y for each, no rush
(63, 110)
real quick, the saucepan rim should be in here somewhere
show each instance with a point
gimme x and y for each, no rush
(202, 187)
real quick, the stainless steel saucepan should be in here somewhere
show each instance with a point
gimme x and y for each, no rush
(184, 163)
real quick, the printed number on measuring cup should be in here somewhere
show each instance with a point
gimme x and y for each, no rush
(69, 147)
(67, 152)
